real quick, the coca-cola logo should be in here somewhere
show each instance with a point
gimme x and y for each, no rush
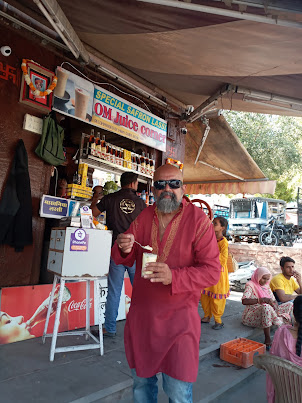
(78, 306)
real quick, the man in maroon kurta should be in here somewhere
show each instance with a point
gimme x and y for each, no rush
(162, 330)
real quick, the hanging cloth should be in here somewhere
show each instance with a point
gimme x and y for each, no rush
(16, 205)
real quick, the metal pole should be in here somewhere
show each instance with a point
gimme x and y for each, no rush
(87, 309)
(55, 280)
(57, 320)
(226, 13)
(97, 302)
(205, 135)
(221, 170)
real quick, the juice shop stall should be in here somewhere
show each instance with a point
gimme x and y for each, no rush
(105, 135)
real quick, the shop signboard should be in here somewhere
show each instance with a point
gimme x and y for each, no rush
(119, 116)
(83, 100)
(53, 207)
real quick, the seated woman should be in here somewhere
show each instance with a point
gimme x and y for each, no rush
(287, 344)
(261, 308)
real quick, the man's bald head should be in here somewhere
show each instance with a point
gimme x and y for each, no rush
(168, 172)
(168, 199)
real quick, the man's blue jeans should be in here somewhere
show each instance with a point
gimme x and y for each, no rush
(145, 389)
(115, 285)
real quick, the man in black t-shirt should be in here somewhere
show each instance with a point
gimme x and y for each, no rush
(121, 208)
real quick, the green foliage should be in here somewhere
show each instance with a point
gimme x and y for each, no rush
(275, 144)
(110, 187)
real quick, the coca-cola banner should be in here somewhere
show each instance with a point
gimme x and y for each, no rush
(23, 310)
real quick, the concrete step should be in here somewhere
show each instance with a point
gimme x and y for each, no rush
(251, 390)
(216, 380)
(83, 377)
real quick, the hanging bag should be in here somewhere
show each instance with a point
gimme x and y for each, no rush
(50, 148)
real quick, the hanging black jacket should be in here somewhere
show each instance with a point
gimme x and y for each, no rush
(16, 205)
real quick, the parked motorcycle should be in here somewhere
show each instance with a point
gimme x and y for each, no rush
(241, 276)
(276, 232)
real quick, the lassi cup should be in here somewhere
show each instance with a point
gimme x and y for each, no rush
(81, 103)
(147, 257)
(62, 76)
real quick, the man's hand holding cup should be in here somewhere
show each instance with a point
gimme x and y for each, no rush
(125, 242)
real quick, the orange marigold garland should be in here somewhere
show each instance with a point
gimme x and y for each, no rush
(34, 90)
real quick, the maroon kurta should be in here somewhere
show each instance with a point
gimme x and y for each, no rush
(162, 330)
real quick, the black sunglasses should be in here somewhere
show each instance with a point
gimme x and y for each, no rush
(173, 184)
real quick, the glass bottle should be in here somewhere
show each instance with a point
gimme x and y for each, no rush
(75, 178)
(103, 147)
(122, 156)
(133, 162)
(112, 154)
(138, 162)
(117, 156)
(152, 165)
(79, 181)
(151, 199)
(40, 314)
(148, 165)
(108, 151)
(92, 142)
(98, 146)
(90, 145)
(143, 163)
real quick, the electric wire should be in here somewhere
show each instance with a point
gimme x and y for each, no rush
(96, 82)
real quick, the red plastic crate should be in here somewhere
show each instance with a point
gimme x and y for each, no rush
(241, 351)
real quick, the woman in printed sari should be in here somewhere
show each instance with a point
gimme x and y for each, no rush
(261, 308)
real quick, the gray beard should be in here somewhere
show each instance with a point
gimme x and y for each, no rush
(167, 205)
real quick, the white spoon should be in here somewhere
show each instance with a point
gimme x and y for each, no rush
(147, 247)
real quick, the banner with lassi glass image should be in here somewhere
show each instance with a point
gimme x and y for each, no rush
(85, 101)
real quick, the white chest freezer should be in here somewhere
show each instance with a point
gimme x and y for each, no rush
(77, 252)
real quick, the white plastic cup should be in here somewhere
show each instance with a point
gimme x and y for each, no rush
(147, 257)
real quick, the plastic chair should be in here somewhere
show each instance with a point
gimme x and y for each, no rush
(286, 377)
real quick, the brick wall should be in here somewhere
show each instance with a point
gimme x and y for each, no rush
(267, 256)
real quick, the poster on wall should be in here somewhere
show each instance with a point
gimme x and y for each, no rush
(41, 79)
(83, 100)
(23, 310)
(73, 95)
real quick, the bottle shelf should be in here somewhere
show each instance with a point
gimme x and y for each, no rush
(97, 163)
